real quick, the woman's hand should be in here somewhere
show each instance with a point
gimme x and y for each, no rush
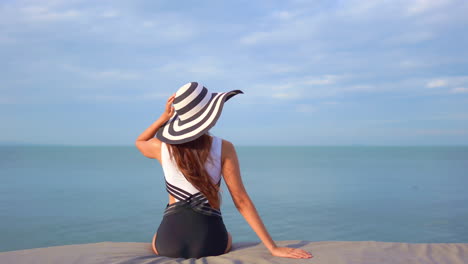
(169, 111)
(286, 252)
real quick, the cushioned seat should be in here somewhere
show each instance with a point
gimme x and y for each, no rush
(336, 252)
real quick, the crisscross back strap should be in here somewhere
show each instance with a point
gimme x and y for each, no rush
(197, 201)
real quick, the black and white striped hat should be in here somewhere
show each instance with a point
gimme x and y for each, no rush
(196, 111)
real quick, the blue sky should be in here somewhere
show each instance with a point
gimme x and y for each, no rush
(354, 72)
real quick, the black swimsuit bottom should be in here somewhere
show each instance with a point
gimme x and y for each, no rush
(190, 231)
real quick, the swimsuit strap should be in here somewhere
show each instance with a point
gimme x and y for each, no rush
(197, 201)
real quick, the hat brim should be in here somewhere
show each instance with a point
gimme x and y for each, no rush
(176, 131)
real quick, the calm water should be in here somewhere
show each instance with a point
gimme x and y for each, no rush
(68, 195)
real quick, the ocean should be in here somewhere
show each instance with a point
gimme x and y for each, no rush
(60, 195)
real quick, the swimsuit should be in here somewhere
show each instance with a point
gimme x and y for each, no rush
(190, 227)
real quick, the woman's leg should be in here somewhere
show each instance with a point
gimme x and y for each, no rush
(228, 248)
(153, 244)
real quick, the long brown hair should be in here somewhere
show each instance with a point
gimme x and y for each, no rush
(190, 158)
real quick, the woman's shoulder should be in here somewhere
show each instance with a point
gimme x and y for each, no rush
(227, 148)
(226, 142)
(223, 141)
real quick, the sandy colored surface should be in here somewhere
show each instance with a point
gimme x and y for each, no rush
(332, 252)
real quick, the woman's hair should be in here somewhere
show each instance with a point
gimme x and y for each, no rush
(190, 158)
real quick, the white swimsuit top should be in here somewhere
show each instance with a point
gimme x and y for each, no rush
(177, 185)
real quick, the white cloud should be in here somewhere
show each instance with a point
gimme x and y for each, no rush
(413, 64)
(458, 90)
(284, 15)
(422, 6)
(110, 13)
(297, 30)
(305, 108)
(278, 68)
(256, 37)
(282, 87)
(116, 98)
(203, 66)
(315, 87)
(360, 7)
(353, 21)
(108, 74)
(95, 23)
(436, 83)
(455, 84)
(360, 87)
(149, 24)
(411, 38)
(135, 30)
(324, 80)
(290, 95)
(44, 14)
(330, 103)
(115, 75)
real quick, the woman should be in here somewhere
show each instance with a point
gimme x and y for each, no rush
(193, 161)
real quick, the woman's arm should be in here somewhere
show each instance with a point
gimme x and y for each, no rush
(148, 145)
(242, 201)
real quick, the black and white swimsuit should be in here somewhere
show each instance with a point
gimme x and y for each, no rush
(191, 228)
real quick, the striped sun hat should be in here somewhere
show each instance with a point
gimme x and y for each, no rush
(196, 111)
